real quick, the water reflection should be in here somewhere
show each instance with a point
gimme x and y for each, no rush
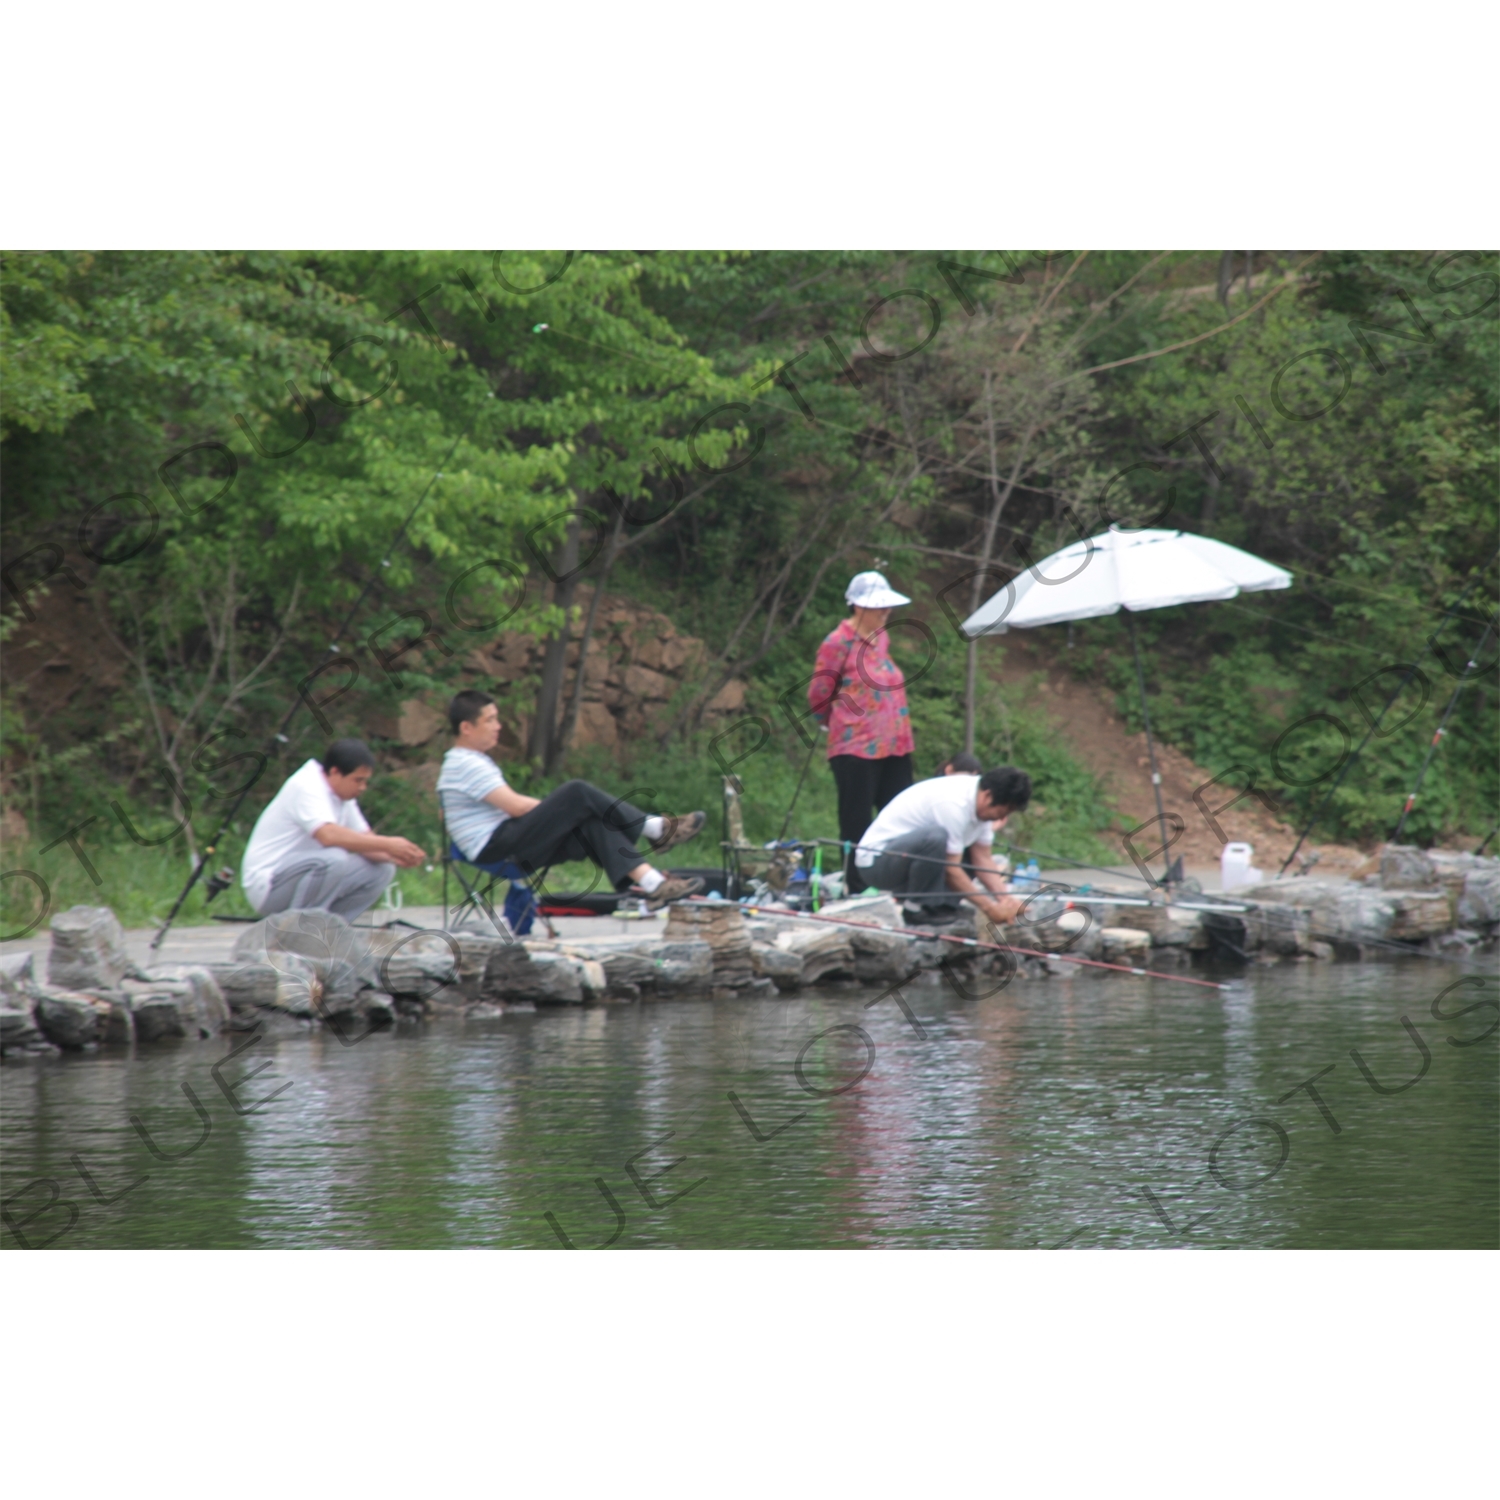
(1082, 1111)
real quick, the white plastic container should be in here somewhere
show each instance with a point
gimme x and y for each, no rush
(1235, 868)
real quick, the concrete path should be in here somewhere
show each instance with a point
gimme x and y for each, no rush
(214, 941)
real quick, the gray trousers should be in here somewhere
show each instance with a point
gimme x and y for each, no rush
(922, 879)
(336, 880)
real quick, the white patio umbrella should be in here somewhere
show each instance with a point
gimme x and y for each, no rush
(1129, 570)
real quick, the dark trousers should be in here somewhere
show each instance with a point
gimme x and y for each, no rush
(915, 866)
(577, 821)
(864, 787)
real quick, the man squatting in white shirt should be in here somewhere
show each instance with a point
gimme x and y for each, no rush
(312, 848)
(494, 824)
(926, 839)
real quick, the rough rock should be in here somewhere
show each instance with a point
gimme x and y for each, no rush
(591, 976)
(642, 682)
(882, 956)
(476, 946)
(419, 721)
(1177, 957)
(88, 949)
(684, 966)
(1420, 914)
(1354, 914)
(71, 1020)
(1479, 906)
(377, 1008)
(596, 726)
(1405, 868)
(1124, 944)
(1459, 943)
(419, 967)
(533, 971)
(161, 1011)
(636, 663)
(825, 952)
(1277, 929)
(1296, 891)
(19, 1031)
(340, 955)
(781, 966)
(930, 953)
(730, 699)
(1305, 910)
(625, 969)
(1169, 926)
(206, 1011)
(290, 985)
(15, 973)
(721, 925)
(1450, 874)
(1049, 933)
(881, 909)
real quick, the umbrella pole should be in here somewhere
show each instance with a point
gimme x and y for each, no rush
(1140, 677)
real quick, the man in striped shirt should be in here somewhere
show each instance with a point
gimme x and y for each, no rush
(492, 823)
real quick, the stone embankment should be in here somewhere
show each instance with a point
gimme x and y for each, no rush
(300, 971)
(1427, 901)
(94, 995)
(636, 667)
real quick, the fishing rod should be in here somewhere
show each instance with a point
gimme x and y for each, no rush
(1375, 725)
(1072, 864)
(1210, 903)
(215, 883)
(786, 821)
(1274, 917)
(1469, 668)
(1078, 864)
(1487, 838)
(919, 934)
(1058, 887)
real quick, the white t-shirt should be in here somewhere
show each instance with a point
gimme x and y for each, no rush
(946, 801)
(467, 777)
(283, 833)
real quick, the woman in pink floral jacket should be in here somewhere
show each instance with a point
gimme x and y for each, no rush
(858, 695)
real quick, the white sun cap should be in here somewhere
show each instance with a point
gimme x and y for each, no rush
(871, 591)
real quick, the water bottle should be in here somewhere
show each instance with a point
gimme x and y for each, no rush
(1235, 869)
(1028, 878)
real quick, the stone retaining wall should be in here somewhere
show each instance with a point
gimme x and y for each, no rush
(299, 971)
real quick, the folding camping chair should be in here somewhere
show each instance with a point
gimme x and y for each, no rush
(520, 909)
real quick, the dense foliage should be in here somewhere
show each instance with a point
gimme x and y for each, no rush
(215, 451)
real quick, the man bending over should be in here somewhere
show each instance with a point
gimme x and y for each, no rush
(312, 848)
(492, 824)
(923, 838)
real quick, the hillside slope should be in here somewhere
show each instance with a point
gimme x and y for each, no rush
(1035, 671)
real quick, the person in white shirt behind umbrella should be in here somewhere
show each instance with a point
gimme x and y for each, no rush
(925, 841)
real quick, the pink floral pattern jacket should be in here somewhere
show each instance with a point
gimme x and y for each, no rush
(859, 693)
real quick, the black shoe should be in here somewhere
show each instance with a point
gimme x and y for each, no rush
(934, 916)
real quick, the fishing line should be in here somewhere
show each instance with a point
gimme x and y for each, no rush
(1470, 667)
(280, 737)
(786, 821)
(1400, 688)
(920, 934)
(1208, 901)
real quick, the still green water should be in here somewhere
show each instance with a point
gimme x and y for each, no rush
(1079, 1113)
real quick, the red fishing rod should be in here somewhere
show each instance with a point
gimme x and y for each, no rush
(948, 937)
